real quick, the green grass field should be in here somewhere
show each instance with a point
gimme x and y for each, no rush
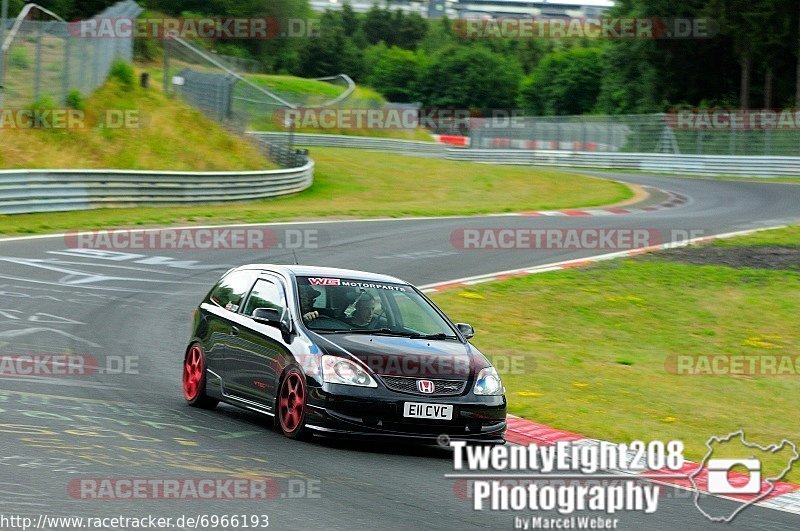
(297, 85)
(170, 136)
(592, 344)
(788, 236)
(311, 94)
(352, 184)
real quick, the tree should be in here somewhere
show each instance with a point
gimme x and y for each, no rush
(350, 21)
(395, 75)
(331, 53)
(759, 32)
(378, 25)
(470, 77)
(566, 82)
(409, 30)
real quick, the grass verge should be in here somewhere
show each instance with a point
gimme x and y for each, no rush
(169, 135)
(352, 183)
(593, 344)
(311, 94)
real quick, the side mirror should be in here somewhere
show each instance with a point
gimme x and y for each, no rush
(269, 316)
(466, 330)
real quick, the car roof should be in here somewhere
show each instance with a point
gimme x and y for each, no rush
(306, 271)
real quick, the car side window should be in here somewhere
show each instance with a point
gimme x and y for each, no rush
(231, 289)
(265, 294)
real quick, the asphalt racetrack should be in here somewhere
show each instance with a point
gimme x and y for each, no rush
(137, 306)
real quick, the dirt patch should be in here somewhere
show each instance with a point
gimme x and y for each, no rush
(755, 256)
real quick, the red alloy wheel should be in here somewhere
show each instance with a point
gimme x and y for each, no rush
(292, 403)
(193, 372)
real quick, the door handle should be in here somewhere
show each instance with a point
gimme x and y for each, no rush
(234, 331)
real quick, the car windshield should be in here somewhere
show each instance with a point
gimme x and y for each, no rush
(343, 305)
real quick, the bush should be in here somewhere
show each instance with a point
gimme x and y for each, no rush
(44, 103)
(564, 82)
(19, 59)
(75, 100)
(146, 49)
(469, 77)
(124, 73)
(395, 75)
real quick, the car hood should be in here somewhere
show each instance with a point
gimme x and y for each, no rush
(401, 356)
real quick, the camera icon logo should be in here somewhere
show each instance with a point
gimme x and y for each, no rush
(720, 481)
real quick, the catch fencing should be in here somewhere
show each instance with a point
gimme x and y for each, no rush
(631, 133)
(44, 58)
(742, 166)
(221, 88)
(348, 141)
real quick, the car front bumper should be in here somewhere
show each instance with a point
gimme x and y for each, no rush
(378, 412)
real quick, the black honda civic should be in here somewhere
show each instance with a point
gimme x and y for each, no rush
(338, 352)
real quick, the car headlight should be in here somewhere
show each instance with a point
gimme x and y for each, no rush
(488, 382)
(342, 371)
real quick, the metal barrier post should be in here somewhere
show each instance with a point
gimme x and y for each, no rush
(37, 76)
(3, 19)
(65, 79)
(166, 65)
(82, 63)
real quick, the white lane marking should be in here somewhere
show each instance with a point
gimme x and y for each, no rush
(21, 332)
(115, 266)
(72, 276)
(270, 224)
(101, 288)
(61, 382)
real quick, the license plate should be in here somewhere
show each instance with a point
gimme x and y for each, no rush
(427, 411)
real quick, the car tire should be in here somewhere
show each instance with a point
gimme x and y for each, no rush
(194, 379)
(290, 405)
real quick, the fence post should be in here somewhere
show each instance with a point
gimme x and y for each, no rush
(37, 75)
(584, 146)
(768, 142)
(557, 123)
(95, 65)
(65, 79)
(166, 65)
(3, 18)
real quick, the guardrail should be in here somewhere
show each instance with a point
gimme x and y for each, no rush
(752, 166)
(25, 191)
(358, 142)
(745, 166)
